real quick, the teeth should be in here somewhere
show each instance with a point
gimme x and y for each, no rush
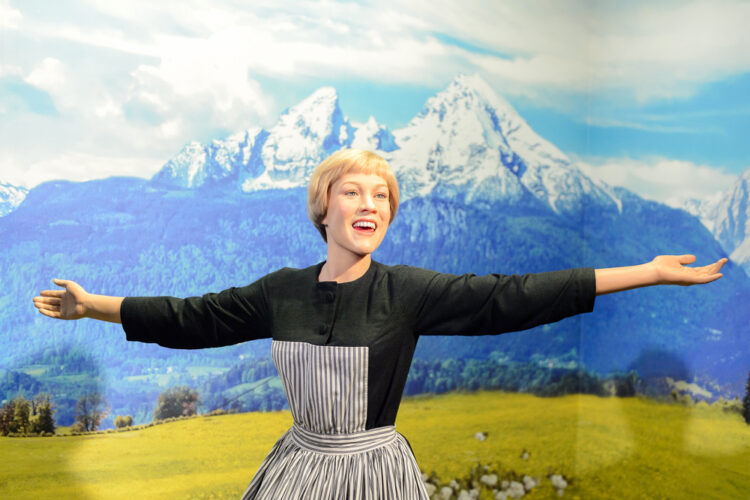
(363, 223)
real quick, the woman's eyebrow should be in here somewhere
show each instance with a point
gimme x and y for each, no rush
(357, 184)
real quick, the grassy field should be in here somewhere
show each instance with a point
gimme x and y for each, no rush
(607, 447)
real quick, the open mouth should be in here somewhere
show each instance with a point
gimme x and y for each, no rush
(364, 226)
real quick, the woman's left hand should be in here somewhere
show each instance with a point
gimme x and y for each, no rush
(671, 270)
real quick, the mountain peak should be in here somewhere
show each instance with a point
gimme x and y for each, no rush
(475, 88)
(10, 197)
(324, 100)
(467, 138)
(312, 115)
(304, 135)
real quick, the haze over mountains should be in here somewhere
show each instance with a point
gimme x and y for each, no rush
(481, 193)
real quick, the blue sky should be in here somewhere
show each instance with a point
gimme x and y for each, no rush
(649, 95)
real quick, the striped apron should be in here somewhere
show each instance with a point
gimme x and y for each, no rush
(328, 453)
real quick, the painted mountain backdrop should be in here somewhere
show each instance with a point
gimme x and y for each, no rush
(728, 219)
(481, 191)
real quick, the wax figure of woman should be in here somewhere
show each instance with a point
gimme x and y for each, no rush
(344, 331)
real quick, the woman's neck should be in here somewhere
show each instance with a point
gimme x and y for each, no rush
(342, 270)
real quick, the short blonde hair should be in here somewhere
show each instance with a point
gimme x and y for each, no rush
(333, 168)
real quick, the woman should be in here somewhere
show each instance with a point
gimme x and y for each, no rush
(344, 331)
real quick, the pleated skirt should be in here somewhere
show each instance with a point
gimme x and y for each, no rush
(371, 465)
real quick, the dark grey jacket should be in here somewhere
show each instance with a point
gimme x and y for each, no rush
(386, 309)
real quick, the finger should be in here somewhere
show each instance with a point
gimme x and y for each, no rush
(44, 305)
(52, 293)
(46, 300)
(712, 277)
(714, 268)
(707, 278)
(686, 259)
(43, 308)
(51, 314)
(60, 282)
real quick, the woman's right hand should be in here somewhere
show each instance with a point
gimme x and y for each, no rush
(62, 304)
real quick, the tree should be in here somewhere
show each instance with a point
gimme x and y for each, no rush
(91, 409)
(177, 402)
(22, 412)
(123, 421)
(43, 414)
(746, 401)
(8, 418)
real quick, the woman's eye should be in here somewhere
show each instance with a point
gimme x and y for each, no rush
(382, 196)
(350, 193)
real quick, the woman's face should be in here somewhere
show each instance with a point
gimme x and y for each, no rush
(358, 214)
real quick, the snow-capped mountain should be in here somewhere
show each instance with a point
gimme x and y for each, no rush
(196, 164)
(282, 157)
(10, 197)
(304, 135)
(728, 218)
(467, 143)
(469, 140)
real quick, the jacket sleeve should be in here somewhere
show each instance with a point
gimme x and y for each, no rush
(475, 305)
(216, 319)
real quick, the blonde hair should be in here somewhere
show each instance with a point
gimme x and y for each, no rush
(333, 168)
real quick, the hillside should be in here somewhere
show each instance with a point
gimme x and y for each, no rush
(606, 447)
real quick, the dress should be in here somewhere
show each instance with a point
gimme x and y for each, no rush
(343, 352)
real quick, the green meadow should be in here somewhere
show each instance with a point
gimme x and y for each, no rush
(605, 447)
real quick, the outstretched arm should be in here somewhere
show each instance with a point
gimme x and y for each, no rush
(663, 270)
(74, 303)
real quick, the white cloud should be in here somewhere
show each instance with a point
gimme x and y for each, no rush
(107, 107)
(10, 18)
(665, 180)
(216, 66)
(648, 126)
(170, 128)
(74, 166)
(10, 70)
(648, 50)
(291, 39)
(49, 75)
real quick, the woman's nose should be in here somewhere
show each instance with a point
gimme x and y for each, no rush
(367, 203)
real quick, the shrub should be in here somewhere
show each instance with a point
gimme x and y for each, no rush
(175, 402)
(123, 421)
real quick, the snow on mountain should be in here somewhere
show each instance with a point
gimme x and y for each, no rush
(727, 216)
(467, 143)
(197, 164)
(731, 215)
(468, 140)
(304, 135)
(373, 137)
(10, 197)
(282, 157)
